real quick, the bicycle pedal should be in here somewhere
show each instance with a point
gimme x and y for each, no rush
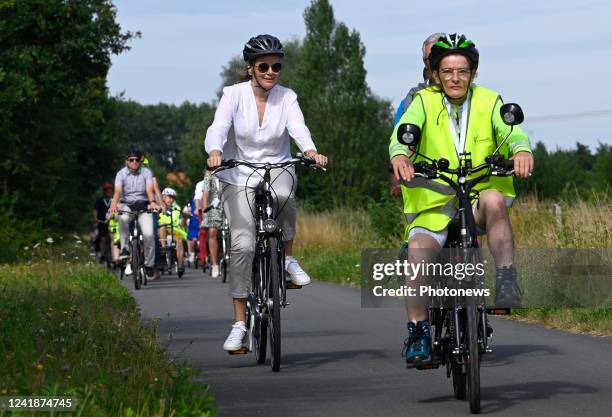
(292, 286)
(242, 351)
(498, 311)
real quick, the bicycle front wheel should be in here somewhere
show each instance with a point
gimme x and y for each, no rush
(274, 293)
(473, 358)
(259, 320)
(136, 264)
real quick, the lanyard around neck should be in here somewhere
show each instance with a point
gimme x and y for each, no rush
(459, 135)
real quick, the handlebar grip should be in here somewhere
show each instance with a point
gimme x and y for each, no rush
(506, 164)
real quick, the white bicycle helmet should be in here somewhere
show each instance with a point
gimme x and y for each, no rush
(169, 192)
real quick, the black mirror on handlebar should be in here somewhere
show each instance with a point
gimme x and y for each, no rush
(512, 114)
(409, 134)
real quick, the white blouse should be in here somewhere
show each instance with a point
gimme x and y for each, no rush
(237, 134)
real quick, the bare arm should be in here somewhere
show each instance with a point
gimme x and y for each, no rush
(158, 196)
(116, 198)
(151, 196)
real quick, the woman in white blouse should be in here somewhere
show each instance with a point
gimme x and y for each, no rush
(254, 122)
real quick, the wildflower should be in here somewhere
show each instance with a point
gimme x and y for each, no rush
(36, 246)
(79, 242)
(26, 248)
(50, 240)
(39, 366)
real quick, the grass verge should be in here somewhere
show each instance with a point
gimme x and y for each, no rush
(70, 328)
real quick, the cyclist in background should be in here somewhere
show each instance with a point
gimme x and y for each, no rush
(198, 196)
(171, 215)
(159, 200)
(405, 103)
(456, 116)
(241, 131)
(113, 229)
(193, 228)
(134, 192)
(212, 219)
(100, 211)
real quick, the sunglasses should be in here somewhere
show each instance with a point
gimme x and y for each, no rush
(264, 67)
(133, 160)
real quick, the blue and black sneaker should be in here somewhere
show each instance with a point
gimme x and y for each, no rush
(417, 344)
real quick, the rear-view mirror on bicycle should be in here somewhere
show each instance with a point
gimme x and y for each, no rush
(512, 114)
(409, 134)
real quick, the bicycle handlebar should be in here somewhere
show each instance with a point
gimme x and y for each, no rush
(499, 166)
(298, 160)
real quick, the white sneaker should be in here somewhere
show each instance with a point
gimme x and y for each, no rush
(296, 274)
(128, 269)
(234, 340)
(215, 271)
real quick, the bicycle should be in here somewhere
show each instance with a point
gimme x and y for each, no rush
(460, 332)
(269, 286)
(136, 249)
(169, 253)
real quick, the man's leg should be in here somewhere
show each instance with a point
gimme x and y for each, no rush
(124, 229)
(145, 220)
(492, 216)
(423, 247)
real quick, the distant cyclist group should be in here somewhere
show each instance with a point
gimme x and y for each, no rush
(457, 124)
(165, 226)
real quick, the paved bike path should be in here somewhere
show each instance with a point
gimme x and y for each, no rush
(341, 360)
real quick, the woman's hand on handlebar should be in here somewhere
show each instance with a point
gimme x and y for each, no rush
(320, 159)
(402, 168)
(214, 159)
(523, 164)
(154, 206)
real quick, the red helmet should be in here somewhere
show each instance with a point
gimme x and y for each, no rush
(107, 186)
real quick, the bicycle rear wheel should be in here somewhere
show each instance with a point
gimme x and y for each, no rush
(473, 358)
(274, 292)
(136, 264)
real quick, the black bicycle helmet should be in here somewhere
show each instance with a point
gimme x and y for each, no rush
(134, 152)
(261, 45)
(452, 45)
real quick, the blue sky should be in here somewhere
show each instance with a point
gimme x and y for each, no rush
(552, 57)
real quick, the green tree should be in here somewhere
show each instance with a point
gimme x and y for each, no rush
(347, 121)
(57, 122)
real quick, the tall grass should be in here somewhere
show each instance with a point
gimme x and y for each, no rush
(68, 327)
(585, 224)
